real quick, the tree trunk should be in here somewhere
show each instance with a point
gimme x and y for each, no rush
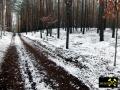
(4, 16)
(58, 32)
(68, 13)
(113, 28)
(101, 24)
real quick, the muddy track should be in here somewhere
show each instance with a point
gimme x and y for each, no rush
(29, 72)
(65, 81)
(52, 53)
(10, 77)
(33, 85)
(40, 70)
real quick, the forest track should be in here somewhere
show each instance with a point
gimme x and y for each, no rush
(65, 81)
(26, 68)
(32, 77)
(10, 77)
(49, 51)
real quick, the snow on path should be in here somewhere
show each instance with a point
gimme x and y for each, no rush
(69, 67)
(98, 56)
(4, 44)
(33, 81)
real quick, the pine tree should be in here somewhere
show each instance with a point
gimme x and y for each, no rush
(58, 32)
(101, 19)
(68, 24)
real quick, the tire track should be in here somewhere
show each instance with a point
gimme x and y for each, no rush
(52, 53)
(30, 74)
(10, 77)
(65, 80)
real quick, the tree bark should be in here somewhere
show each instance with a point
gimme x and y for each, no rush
(68, 13)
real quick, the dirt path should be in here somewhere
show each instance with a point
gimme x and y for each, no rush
(10, 78)
(64, 80)
(32, 77)
(26, 68)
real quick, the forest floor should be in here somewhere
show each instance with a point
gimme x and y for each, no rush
(26, 67)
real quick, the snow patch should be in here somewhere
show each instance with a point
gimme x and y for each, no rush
(4, 44)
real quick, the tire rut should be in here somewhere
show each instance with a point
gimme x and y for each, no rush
(10, 77)
(30, 73)
(33, 85)
(65, 81)
(74, 61)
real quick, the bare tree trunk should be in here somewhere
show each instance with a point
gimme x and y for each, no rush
(58, 32)
(1, 14)
(4, 16)
(68, 12)
(82, 15)
(101, 21)
(113, 28)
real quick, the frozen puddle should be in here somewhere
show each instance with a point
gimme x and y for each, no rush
(30, 75)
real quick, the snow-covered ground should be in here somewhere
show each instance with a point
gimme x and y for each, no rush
(96, 58)
(4, 44)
